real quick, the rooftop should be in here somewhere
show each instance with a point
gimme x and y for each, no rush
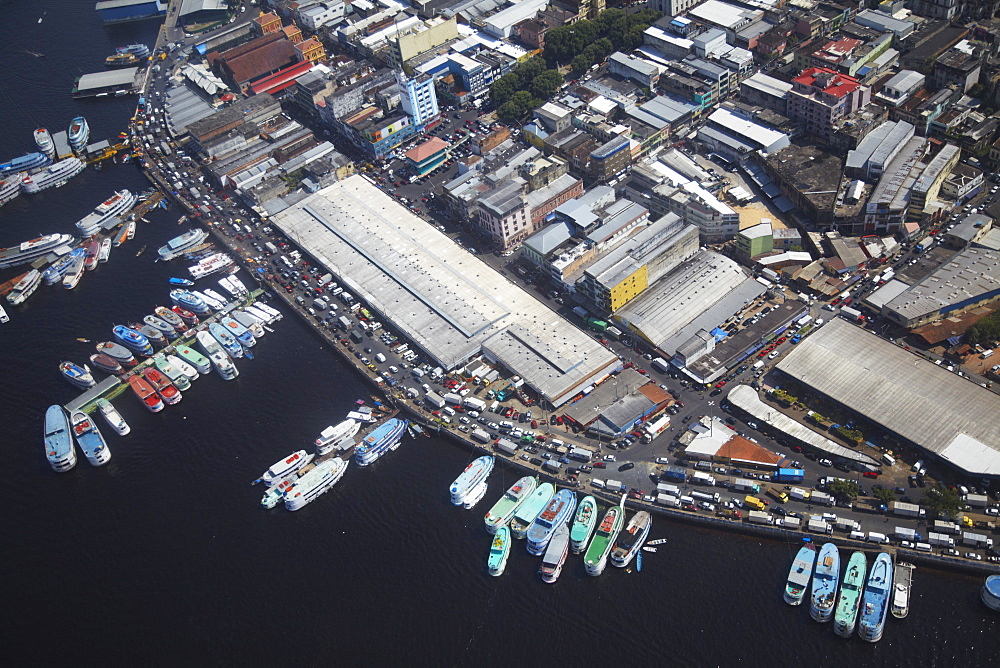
(971, 275)
(431, 147)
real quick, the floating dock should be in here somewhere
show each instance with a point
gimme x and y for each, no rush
(112, 82)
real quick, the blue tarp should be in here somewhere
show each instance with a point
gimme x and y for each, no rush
(719, 334)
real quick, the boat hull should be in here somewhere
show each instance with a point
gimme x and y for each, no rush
(503, 510)
(499, 552)
(59, 449)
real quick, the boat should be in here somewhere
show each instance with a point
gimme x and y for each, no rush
(225, 285)
(243, 335)
(555, 555)
(584, 522)
(799, 574)
(3, 315)
(29, 251)
(530, 508)
(147, 395)
(248, 321)
(93, 249)
(153, 335)
(191, 356)
(504, 509)
(24, 163)
(58, 441)
(210, 265)
(595, 559)
(132, 340)
(79, 133)
(647, 548)
(118, 353)
(175, 375)
(9, 189)
(105, 253)
(902, 581)
(385, 437)
(990, 593)
(630, 540)
(160, 325)
(499, 551)
(220, 360)
(846, 613)
(265, 318)
(55, 272)
(53, 176)
(557, 511)
(121, 60)
(189, 318)
(75, 272)
(140, 251)
(181, 281)
(187, 369)
(212, 302)
(226, 340)
(77, 375)
(171, 318)
(120, 236)
(107, 214)
(215, 300)
(106, 363)
(321, 478)
(875, 602)
(826, 578)
(476, 472)
(113, 417)
(238, 286)
(138, 50)
(43, 140)
(475, 495)
(179, 245)
(638, 562)
(130, 230)
(337, 436)
(167, 391)
(270, 310)
(276, 492)
(89, 438)
(285, 467)
(25, 287)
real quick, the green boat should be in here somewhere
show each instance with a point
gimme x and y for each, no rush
(504, 509)
(583, 524)
(600, 547)
(194, 358)
(846, 614)
(499, 551)
(176, 376)
(528, 511)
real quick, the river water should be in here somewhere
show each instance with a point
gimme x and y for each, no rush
(164, 556)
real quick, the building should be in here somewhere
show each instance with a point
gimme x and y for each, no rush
(427, 156)
(505, 216)
(961, 66)
(766, 91)
(755, 240)
(889, 205)
(820, 97)
(731, 18)
(218, 134)
(924, 194)
(203, 11)
(124, 11)
(546, 199)
(672, 7)
(258, 58)
(643, 72)
(267, 23)
(809, 177)
(611, 160)
(420, 39)
(501, 24)
(899, 88)
(554, 117)
(418, 99)
(617, 405)
(737, 138)
(311, 50)
(878, 149)
(709, 439)
(314, 17)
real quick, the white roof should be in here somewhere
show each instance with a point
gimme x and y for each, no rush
(721, 13)
(739, 126)
(768, 84)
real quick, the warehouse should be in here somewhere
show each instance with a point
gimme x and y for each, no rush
(123, 11)
(445, 300)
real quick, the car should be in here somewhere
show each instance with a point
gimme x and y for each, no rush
(825, 462)
(586, 468)
(536, 461)
(600, 465)
(870, 474)
(626, 466)
(609, 458)
(952, 552)
(973, 556)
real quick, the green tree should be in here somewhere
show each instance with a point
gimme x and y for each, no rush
(986, 330)
(884, 494)
(530, 69)
(946, 502)
(580, 64)
(546, 83)
(510, 111)
(503, 89)
(844, 490)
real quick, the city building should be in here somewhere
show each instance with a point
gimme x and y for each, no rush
(611, 160)
(427, 156)
(256, 59)
(755, 240)
(960, 66)
(420, 39)
(505, 216)
(203, 11)
(124, 11)
(266, 23)
(766, 91)
(820, 97)
(899, 88)
(321, 14)
(618, 405)
(640, 70)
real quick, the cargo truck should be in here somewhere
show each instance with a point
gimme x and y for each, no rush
(670, 490)
(711, 497)
(976, 540)
(845, 524)
(790, 475)
(481, 436)
(581, 454)
(754, 502)
(907, 509)
(474, 404)
(799, 494)
(905, 533)
(944, 526)
(675, 473)
(454, 399)
(668, 501)
(791, 522)
(821, 498)
(552, 466)
(876, 537)
(434, 399)
(977, 500)
(614, 485)
(613, 332)
(506, 446)
(819, 525)
(940, 540)
(759, 517)
(777, 494)
(744, 485)
(701, 478)
(852, 314)
(661, 365)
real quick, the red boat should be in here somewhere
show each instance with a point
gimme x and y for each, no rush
(190, 319)
(93, 254)
(162, 385)
(146, 393)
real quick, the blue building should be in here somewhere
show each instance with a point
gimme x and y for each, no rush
(121, 11)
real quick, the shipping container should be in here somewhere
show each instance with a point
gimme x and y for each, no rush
(664, 488)
(907, 509)
(790, 475)
(940, 539)
(675, 473)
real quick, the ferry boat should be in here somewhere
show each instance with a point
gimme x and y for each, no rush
(130, 231)
(171, 318)
(595, 559)
(25, 287)
(213, 303)
(631, 539)
(106, 363)
(321, 478)
(337, 436)
(276, 492)
(504, 509)
(187, 369)
(800, 574)
(190, 302)
(132, 340)
(529, 510)
(189, 318)
(555, 555)
(43, 140)
(214, 299)
(179, 245)
(107, 214)
(120, 354)
(75, 271)
(9, 189)
(558, 511)
(210, 265)
(105, 253)
(58, 441)
(160, 325)
(89, 438)
(29, 251)
(226, 340)
(175, 375)
(220, 360)
(194, 358)
(121, 60)
(228, 287)
(238, 286)
(270, 310)
(163, 387)
(153, 335)
(93, 249)
(990, 593)
(113, 417)
(475, 495)
(138, 50)
(248, 321)
(285, 467)
(24, 163)
(53, 176)
(243, 335)
(77, 375)
(79, 133)
(583, 524)
(377, 443)
(181, 281)
(902, 581)
(475, 473)
(826, 577)
(256, 312)
(846, 614)
(875, 603)
(499, 551)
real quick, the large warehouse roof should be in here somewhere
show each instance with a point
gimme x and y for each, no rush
(447, 301)
(930, 406)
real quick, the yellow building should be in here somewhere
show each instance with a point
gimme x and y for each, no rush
(311, 50)
(293, 33)
(267, 23)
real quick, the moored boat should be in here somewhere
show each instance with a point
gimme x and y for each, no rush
(58, 440)
(93, 248)
(276, 492)
(595, 559)
(285, 467)
(77, 375)
(555, 555)
(113, 417)
(194, 358)
(43, 140)
(167, 391)
(318, 480)
(53, 176)
(121, 60)
(243, 335)
(210, 265)
(190, 302)
(189, 318)
(630, 540)
(250, 322)
(171, 318)
(504, 509)
(337, 436)
(179, 245)
(58, 269)
(175, 375)
(584, 523)
(875, 602)
(147, 395)
(75, 271)
(132, 340)
(105, 253)
(160, 325)
(89, 438)
(385, 437)
(119, 353)
(799, 574)
(220, 360)
(226, 340)
(130, 230)
(79, 133)
(826, 577)
(106, 363)
(152, 334)
(845, 615)
(529, 510)
(187, 369)
(902, 581)
(990, 593)
(499, 551)
(138, 50)
(476, 472)
(107, 214)
(181, 281)
(557, 512)
(25, 287)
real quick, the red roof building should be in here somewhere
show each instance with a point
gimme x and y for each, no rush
(254, 60)
(280, 80)
(820, 97)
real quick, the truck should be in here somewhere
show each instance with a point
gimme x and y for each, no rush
(552, 466)
(977, 500)
(976, 540)
(675, 473)
(651, 430)
(778, 495)
(481, 436)
(271, 248)
(580, 311)
(940, 539)
(799, 494)
(660, 364)
(434, 399)
(790, 475)
(791, 522)
(944, 526)
(581, 454)
(869, 506)
(614, 485)
(319, 304)
(817, 524)
(613, 332)
(474, 403)
(671, 490)
(852, 314)
(701, 478)
(821, 498)
(759, 517)
(846, 524)
(905, 533)
(453, 399)
(668, 501)
(506, 446)
(322, 280)
(876, 537)
(744, 485)
(711, 497)
(194, 192)
(907, 509)
(596, 324)
(754, 502)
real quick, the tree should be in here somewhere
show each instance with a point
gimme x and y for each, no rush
(503, 89)
(884, 494)
(987, 329)
(581, 64)
(510, 111)
(546, 83)
(844, 490)
(945, 501)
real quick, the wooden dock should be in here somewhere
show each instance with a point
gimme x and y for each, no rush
(9, 285)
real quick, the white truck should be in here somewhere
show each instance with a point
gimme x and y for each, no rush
(744, 485)
(759, 517)
(944, 526)
(907, 509)
(799, 494)
(940, 540)
(661, 365)
(711, 497)
(819, 525)
(669, 490)
(976, 540)
(977, 500)
(668, 500)
(791, 522)
(848, 525)
(905, 533)
(821, 498)
(474, 404)
(702, 478)
(481, 436)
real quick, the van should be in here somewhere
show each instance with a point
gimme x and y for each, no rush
(449, 410)
(493, 406)
(923, 547)
(599, 484)
(380, 357)
(888, 459)
(987, 354)
(355, 307)
(857, 535)
(875, 537)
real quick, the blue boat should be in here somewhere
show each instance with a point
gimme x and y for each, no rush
(226, 340)
(189, 301)
(132, 340)
(58, 441)
(181, 281)
(137, 50)
(25, 162)
(59, 268)
(558, 511)
(79, 133)
(385, 437)
(236, 328)
(89, 437)
(875, 604)
(826, 577)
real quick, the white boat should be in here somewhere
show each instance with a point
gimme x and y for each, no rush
(180, 244)
(3, 315)
(555, 555)
(475, 496)
(265, 318)
(25, 287)
(105, 252)
(212, 294)
(113, 417)
(337, 436)
(210, 265)
(285, 467)
(321, 478)
(53, 176)
(266, 308)
(215, 304)
(476, 472)
(182, 366)
(107, 214)
(220, 360)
